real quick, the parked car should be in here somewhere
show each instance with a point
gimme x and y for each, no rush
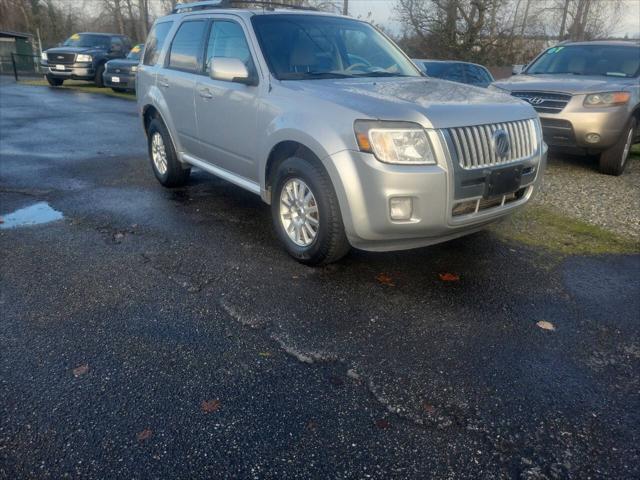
(120, 74)
(83, 56)
(333, 125)
(463, 72)
(588, 97)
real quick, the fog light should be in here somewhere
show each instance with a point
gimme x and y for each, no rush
(592, 137)
(400, 208)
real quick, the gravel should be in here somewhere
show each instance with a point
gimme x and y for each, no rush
(573, 186)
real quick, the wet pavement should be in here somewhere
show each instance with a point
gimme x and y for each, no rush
(154, 333)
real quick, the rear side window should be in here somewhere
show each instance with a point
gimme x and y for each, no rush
(477, 76)
(155, 42)
(187, 46)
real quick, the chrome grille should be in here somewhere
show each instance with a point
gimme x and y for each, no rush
(61, 58)
(474, 146)
(544, 102)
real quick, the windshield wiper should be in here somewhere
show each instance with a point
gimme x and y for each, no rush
(379, 74)
(319, 75)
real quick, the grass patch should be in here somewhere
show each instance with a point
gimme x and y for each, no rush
(81, 87)
(541, 227)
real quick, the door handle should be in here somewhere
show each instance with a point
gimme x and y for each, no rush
(205, 93)
(163, 82)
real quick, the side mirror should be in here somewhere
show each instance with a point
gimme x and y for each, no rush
(517, 69)
(230, 70)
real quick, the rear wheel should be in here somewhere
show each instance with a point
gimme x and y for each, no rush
(614, 160)
(306, 214)
(53, 81)
(164, 161)
(99, 81)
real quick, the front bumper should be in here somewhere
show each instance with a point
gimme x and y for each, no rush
(364, 187)
(125, 81)
(569, 128)
(76, 71)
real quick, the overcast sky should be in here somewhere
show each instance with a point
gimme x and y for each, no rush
(383, 12)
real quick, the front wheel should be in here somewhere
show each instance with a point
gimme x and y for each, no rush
(614, 160)
(53, 81)
(99, 81)
(306, 214)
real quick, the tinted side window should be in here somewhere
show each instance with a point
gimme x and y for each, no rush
(454, 72)
(155, 42)
(186, 48)
(477, 76)
(227, 40)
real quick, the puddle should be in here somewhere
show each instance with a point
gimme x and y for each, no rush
(35, 214)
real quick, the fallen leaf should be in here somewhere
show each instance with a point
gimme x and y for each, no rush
(449, 277)
(80, 370)
(543, 324)
(265, 354)
(144, 435)
(336, 381)
(383, 424)
(385, 279)
(427, 407)
(312, 425)
(118, 236)
(208, 406)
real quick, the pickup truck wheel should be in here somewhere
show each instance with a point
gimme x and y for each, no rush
(164, 161)
(53, 81)
(306, 214)
(614, 160)
(99, 81)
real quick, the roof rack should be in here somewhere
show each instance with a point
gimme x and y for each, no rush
(212, 4)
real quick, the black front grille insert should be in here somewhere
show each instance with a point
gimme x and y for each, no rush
(544, 102)
(61, 58)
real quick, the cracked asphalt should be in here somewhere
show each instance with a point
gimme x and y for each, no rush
(156, 333)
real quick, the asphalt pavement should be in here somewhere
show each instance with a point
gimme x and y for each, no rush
(156, 333)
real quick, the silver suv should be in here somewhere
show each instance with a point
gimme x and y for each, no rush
(332, 125)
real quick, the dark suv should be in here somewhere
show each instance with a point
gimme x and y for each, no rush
(83, 56)
(120, 74)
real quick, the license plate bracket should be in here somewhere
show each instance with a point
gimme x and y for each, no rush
(503, 181)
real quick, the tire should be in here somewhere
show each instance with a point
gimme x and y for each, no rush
(170, 172)
(320, 213)
(99, 81)
(53, 81)
(614, 160)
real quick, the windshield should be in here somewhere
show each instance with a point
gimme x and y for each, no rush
(87, 40)
(607, 60)
(135, 52)
(300, 47)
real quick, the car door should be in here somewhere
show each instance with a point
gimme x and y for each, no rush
(177, 80)
(225, 110)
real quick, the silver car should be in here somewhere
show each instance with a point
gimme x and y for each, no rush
(332, 125)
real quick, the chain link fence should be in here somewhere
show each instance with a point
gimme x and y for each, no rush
(21, 66)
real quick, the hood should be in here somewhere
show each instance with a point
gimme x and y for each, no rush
(51, 51)
(121, 63)
(571, 84)
(444, 104)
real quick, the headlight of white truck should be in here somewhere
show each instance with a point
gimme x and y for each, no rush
(83, 58)
(395, 142)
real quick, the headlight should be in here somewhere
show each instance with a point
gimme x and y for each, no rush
(606, 99)
(43, 56)
(83, 58)
(395, 142)
(134, 69)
